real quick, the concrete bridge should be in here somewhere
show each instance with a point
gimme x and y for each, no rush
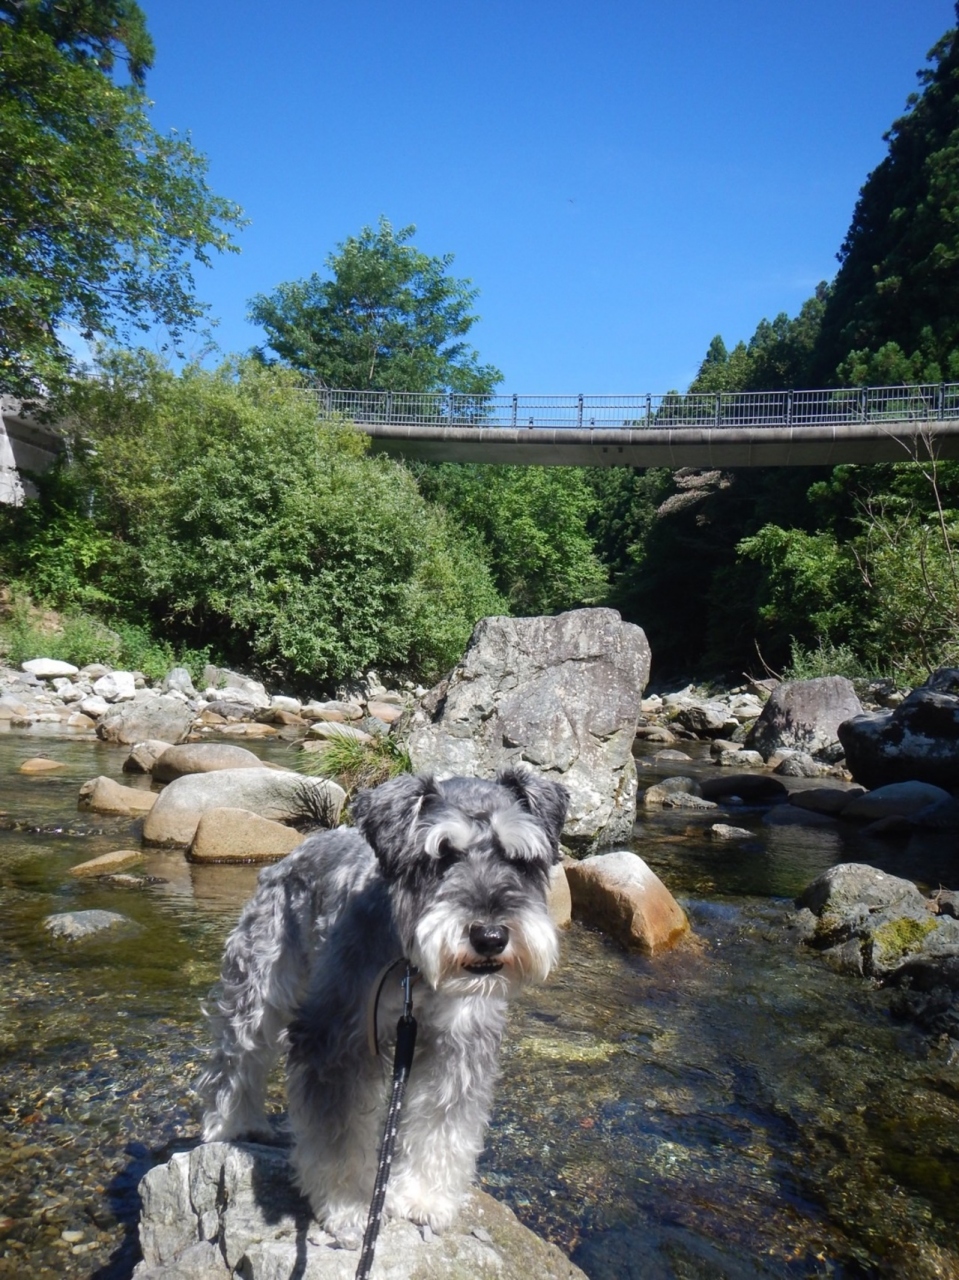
(729, 429)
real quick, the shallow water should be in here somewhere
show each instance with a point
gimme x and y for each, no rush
(732, 1109)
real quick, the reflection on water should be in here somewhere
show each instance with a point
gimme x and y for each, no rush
(732, 1109)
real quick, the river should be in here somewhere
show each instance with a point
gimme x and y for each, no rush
(733, 1109)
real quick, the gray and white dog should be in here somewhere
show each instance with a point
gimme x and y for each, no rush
(452, 876)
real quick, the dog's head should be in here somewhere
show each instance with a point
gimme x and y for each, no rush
(468, 864)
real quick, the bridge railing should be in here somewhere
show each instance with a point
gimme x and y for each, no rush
(929, 402)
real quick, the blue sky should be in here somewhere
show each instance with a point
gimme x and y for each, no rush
(620, 180)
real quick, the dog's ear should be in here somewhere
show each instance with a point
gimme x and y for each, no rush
(387, 815)
(547, 801)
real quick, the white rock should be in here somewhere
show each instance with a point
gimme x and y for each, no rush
(280, 703)
(94, 706)
(118, 686)
(48, 668)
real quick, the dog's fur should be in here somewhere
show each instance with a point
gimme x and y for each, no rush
(452, 875)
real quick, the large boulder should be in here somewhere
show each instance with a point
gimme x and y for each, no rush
(103, 795)
(563, 694)
(148, 715)
(271, 793)
(230, 1209)
(618, 893)
(804, 715)
(202, 757)
(918, 741)
(237, 835)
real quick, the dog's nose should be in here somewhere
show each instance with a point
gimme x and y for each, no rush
(488, 939)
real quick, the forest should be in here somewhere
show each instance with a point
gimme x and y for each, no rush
(214, 513)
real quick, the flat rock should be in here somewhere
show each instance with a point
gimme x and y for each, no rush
(72, 925)
(828, 800)
(238, 835)
(750, 788)
(618, 893)
(231, 1209)
(108, 863)
(336, 710)
(103, 795)
(248, 730)
(687, 800)
(388, 712)
(146, 716)
(654, 796)
(331, 731)
(721, 831)
(48, 668)
(896, 799)
(202, 757)
(272, 793)
(39, 765)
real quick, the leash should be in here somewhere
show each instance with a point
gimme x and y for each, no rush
(402, 1062)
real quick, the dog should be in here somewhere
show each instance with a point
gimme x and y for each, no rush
(452, 876)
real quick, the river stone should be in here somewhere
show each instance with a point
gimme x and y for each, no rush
(799, 764)
(103, 795)
(654, 796)
(48, 668)
(750, 788)
(148, 715)
(179, 680)
(618, 893)
(202, 757)
(560, 693)
(330, 731)
(144, 756)
(108, 863)
(233, 1206)
(558, 897)
(840, 889)
(336, 710)
(722, 831)
(72, 925)
(40, 765)
(93, 706)
(804, 715)
(654, 733)
(388, 712)
(687, 800)
(117, 686)
(788, 815)
(238, 835)
(918, 741)
(897, 799)
(828, 800)
(705, 719)
(272, 793)
(228, 710)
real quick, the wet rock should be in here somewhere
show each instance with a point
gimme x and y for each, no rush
(107, 863)
(561, 693)
(654, 733)
(720, 831)
(144, 756)
(750, 788)
(40, 765)
(677, 757)
(238, 835)
(687, 800)
(148, 715)
(918, 741)
(73, 925)
(271, 793)
(828, 800)
(234, 1206)
(787, 815)
(897, 799)
(618, 893)
(48, 668)
(654, 796)
(205, 757)
(103, 795)
(804, 715)
(559, 899)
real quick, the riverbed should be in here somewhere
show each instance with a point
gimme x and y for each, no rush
(733, 1109)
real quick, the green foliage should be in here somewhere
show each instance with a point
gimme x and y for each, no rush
(102, 216)
(355, 764)
(388, 318)
(226, 514)
(534, 522)
(826, 659)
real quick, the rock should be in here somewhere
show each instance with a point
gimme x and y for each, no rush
(705, 719)
(670, 756)
(798, 764)
(238, 835)
(145, 755)
(72, 925)
(281, 703)
(271, 793)
(77, 720)
(720, 831)
(842, 888)
(48, 668)
(897, 799)
(148, 715)
(748, 788)
(103, 795)
(385, 711)
(686, 800)
(617, 892)
(228, 710)
(118, 686)
(108, 863)
(248, 731)
(205, 757)
(180, 681)
(654, 733)
(918, 741)
(804, 715)
(562, 693)
(233, 1206)
(336, 710)
(238, 688)
(788, 815)
(94, 706)
(559, 898)
(740, 760)
(40, 765)
(330, 731)
(828, 800)
(654, 796)
(939, 817)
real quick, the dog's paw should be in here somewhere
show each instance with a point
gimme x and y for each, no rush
(346, 1222)
(423, 1207)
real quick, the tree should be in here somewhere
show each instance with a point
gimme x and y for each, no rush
(101, 217)
(388, 318)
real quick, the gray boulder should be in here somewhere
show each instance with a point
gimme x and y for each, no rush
(230, 1209)
(271, 793)
(804, 715)
(563, 694)
(148, 715)
(918, 741)
(73, 925)
(179, 680)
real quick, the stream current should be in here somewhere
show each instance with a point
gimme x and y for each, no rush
(732, 1109)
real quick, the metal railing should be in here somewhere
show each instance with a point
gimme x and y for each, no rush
(927, 403)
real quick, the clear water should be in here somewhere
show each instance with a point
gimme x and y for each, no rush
(733, 1109)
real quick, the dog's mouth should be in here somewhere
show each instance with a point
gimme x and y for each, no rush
(484, 966)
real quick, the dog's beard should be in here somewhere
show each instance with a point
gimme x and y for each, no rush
(441, 950)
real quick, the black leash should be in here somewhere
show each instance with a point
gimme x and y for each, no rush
(402, 1062)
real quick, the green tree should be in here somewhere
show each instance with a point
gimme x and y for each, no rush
(388, 318)
(101, 217)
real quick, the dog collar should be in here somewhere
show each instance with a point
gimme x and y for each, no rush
(372, 1009)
